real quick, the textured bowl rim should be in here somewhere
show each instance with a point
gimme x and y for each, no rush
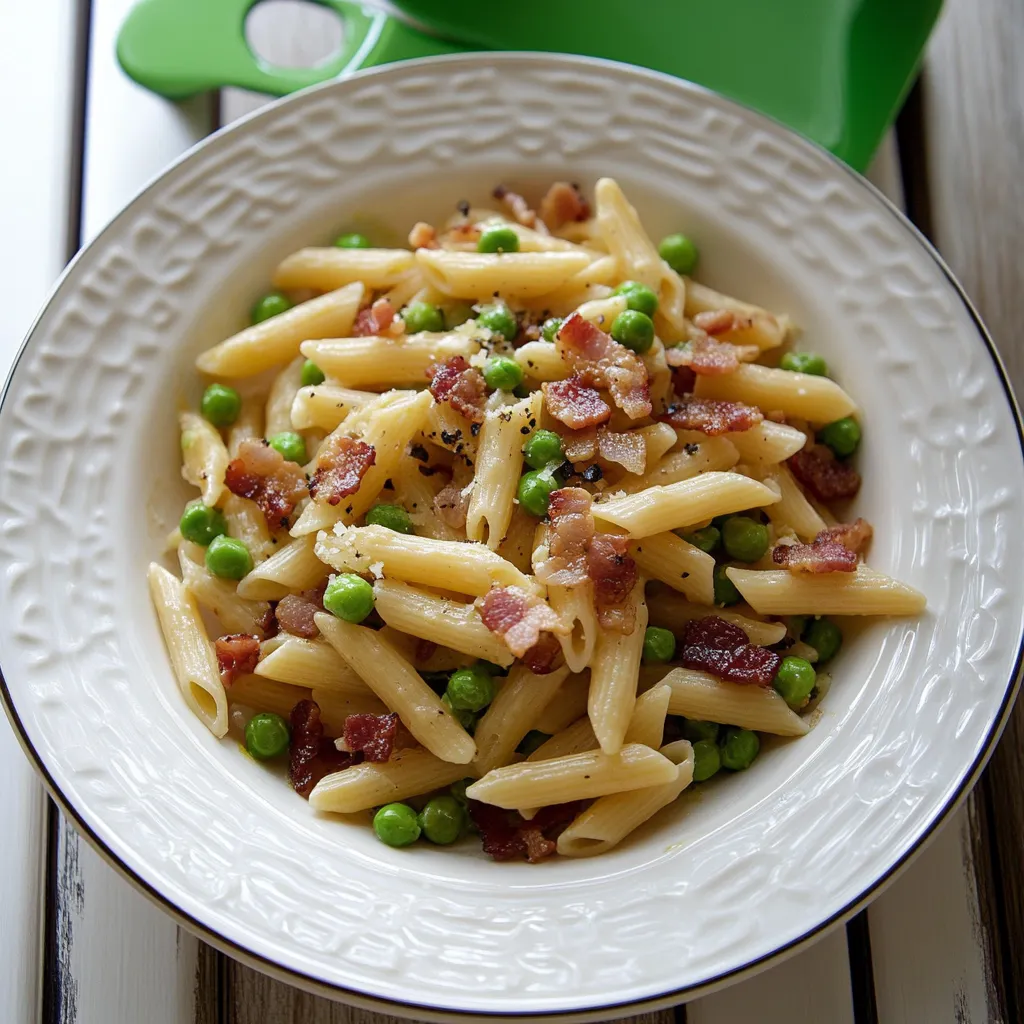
(656, 1001)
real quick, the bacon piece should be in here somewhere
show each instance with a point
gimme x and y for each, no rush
(563, 203)
(833, 550)
(237, 655)
(507, 835)
(711, 416)
(715, 321)
(823, 474)
(614, 574)
(573, 403)
(722, 648)
(451, 505)
(626, 449)
(464, 233)
(704, 355)
(461, 386)
(341, 464)
(374, 320)
(580, 445)
(517, 206)
(261, 474)
(517, 617)
(373, 736)
(572, 527)
(856, 535)
(603, 363)
(423, 236)
(294, 612)
(541, 657)
(311, 755)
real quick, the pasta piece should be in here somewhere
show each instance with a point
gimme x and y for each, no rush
(566, 706)
(864, 592)
(448, 565)
(575, 607)
(248, 426)
(400, 687)
(517, 545)
(768, 443)
(247, 523)
(263, 694)
(475, 275)
(613, 676)
(659, 439)
(512, 714)
(382, 363)
(702, 697)
(415, 492)
(336, 705)
(763, 330)
(234, 613)
(292, 567)
(438, 619)
(660, 509)
(204, 456)
(647, 722)
(191, 653)
(439, 659)
(798, 395)
(584, 776)
(408, 286)
(659, 374)
(311, 663)
(575, 738)
(276, 341)
(673, 612)
(793, 510)
(608, 820)
(541, 361)
(708, 455)
(499, 463)
(364, 786)
(447, 428)
(601, 312)
(683, 567)
(332, 267)
(282, 395)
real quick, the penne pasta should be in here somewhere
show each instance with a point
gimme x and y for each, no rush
(204, 456)
(647, 722)
(575, 738)
(793, 511)
(757, 326)
(328, 268)
(247, 523)
(707, 455)
(262, 694)
(325, 405)
(234, 613)
(312, 664)
(575, 607)
(292, 567)
(683, 567)
(278, 416)
(541, 361)
(567, 705)
(521, 275)
(768, 443)
(249, 425)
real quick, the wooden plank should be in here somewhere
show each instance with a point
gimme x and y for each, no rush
(117, 958)
(38, 65)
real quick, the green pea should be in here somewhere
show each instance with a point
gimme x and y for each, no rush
(349, 597)
(228, 558)
(796, 624)
(394, 517)
(679, 253)
(498, 239)
(201, 524)
(470, 689)
(707, 759)
(825, 637)
(659, 645)
(442, 820)
(744, 539)
(270, 305)
(458, 790)
(532, 741)
(221, 405)
(422, 316)
(502, 373)
(311, 374)
(457, 313)
(695, 730)
(534, 491)
(725, 590)
(707, 539)
(638, 296)
(396, 825)
(498, 318)
(542, 448)
(804, 362)
(795, 680)
(738, 749)
(266, 736)
(842, 436)
(633, 329)
(551, 327)
(291, 446)
(352, 240)
(465, 718)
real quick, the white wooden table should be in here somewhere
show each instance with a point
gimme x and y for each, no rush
(78, 945)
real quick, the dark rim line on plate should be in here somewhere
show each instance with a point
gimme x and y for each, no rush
(592, 1012)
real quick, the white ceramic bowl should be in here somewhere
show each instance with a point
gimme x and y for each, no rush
(753, 865)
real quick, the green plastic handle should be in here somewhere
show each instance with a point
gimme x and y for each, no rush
(181, 47)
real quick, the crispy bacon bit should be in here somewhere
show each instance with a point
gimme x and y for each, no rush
(602, 362)
(373, 736)
(517, 206)
(507, 835)
(573, 403)
(464, 233)
(572, 527)
(423, 236)
(704, 355)
(374, 320)
(711, 416)
(517, 617)
(562, 204)
(856, 535)
(834, 549)
(461, 386)
(341, 464)
(294, 612)
(823, 474)
(237, 655)
(311, 755)
(614, 574)
(541, 657)
(715, 321)
(722, 648)
(626, 449)
(261, 474)
(580, 445)
(451, 505)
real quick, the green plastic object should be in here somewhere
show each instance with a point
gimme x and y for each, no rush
(835, 70)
